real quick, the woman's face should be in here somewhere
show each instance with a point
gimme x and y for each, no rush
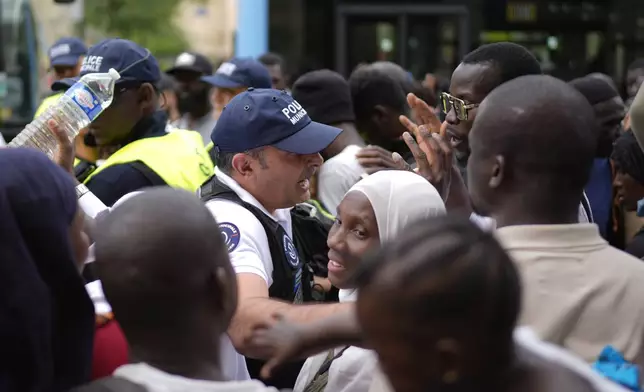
(79, 240)
(354, 232)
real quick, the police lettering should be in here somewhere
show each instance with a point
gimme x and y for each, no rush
(294, 112)
(92, 64)
(59, 50)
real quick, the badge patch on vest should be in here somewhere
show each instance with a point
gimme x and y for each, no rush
(231, 235)
(290, 252)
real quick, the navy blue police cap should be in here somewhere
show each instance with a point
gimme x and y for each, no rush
(66, 52)
(268, 117)
(240, 72)
(133, 62)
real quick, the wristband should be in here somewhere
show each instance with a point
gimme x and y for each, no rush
(81, 190)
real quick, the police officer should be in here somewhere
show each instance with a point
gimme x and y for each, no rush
(267, 149)
(144, 154)
(65, 58)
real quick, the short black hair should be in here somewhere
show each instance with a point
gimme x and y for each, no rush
(447, 270)
(225, 159)
(270, 59)
(509, 61)
(371, 87)
(540, 125)
(161, 280)
(595, 89)
(629, 157)
(637, 64)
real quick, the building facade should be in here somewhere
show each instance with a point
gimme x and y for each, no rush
(570, 37)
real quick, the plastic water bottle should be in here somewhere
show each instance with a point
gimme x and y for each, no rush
(75, 110)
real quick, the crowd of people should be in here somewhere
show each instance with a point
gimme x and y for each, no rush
(224, 229)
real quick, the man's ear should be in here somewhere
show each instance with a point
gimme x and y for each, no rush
(379, 114)
(242, 164)
(498, 172)
(147, 95)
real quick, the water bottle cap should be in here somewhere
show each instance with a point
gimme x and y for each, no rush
(114, 74)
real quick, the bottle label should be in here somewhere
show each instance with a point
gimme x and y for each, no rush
(86, 100)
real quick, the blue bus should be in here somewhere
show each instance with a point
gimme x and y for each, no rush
(19, 94)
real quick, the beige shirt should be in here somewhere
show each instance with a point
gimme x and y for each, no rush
(578, 291)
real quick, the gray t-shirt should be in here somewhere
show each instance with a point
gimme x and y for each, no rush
(203, 125)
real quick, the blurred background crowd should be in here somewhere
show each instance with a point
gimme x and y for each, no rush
(570, 38)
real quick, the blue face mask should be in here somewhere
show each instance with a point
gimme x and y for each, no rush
(640, 208)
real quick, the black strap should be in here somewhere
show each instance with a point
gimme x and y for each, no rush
(111, 384)
(150, 175)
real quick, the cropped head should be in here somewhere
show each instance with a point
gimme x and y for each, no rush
(266, 142)
(326, 95)
(378, 101)
(66, 56)
(135, 94)
(46, 315)
(609, 110)
(531, 149)
(480, 72)
(439, 306)
(634, 78)
(628, 159)
(193, 94)
(376, 210)
(234, 77)
(276, 68)
(175, 282)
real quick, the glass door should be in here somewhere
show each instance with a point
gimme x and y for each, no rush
(371, 39)
(421, 38)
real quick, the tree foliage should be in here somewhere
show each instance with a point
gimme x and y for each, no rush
(146, 22)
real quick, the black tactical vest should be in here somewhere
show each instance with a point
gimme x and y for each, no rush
(291, 278)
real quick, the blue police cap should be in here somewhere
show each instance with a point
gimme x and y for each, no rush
(133, 62)
(66, 52)
(240, 72)
(267, 117)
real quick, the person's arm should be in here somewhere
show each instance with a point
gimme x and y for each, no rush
(637, 117)
(255, 308)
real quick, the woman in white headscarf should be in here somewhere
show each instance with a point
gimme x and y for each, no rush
(375, 210)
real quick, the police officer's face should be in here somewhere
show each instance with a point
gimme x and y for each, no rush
(354, 232)
(282, 179)
(132, 101)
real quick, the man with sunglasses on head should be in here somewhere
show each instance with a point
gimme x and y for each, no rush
(143, 154)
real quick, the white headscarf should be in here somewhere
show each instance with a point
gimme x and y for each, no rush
(399, 198)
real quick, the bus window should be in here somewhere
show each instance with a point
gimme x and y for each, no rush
(19, 52)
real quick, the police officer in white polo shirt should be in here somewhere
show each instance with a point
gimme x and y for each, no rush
(267, 148)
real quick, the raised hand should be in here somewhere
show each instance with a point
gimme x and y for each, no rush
(428, 144)
(376, 158)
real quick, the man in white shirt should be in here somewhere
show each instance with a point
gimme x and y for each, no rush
(267, 149)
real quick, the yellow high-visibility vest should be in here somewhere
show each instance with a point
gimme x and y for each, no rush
(179, 158)
(47, 102)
